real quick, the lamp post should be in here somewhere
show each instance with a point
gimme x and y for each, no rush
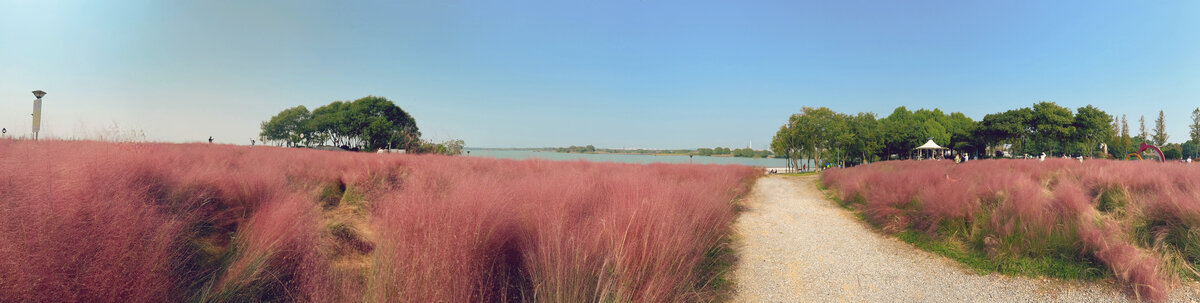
(37, 113)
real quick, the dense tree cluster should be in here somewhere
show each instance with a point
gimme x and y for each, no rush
(740, 152)
(369, 123)
(826, 136)
(576, 149)
(750, 153)
(704, 151)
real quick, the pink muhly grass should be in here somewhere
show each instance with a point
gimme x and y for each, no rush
(91, 221)
(553, 231)
(72, 231)
(1034, 206)
(274, 255)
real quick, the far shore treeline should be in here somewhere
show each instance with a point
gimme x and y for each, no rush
(843, 139)
(369, 123)
(703, 151)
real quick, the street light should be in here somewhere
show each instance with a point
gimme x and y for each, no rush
(37, 113)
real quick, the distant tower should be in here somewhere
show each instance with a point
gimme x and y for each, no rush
(37, 113)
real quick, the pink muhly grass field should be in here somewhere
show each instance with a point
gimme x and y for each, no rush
(93, 221)
(1139, 219)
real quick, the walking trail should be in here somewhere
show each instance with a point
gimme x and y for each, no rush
(798, 246)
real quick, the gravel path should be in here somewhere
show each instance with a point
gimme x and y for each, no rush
(797, 246)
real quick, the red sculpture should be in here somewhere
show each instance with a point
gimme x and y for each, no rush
(1161, 157)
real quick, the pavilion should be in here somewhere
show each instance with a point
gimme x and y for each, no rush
(930, 146)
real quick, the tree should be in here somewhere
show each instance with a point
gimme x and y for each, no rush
(1011, 127)
(705, 151)
(328, 122)
(290, 127)
(1160, 130)
(744, 153)
(1126, 142)
(1172, 151)
(899, 133)
(382, 124)
(937, 132)
(367, 123)
(1092, 127)
(1142, 131)
(1195, 127)
(828, 129)
(961, 129)
(838, 136)
(455, 147)
(803, 136)
(1190, 149)
(866, 143)
(794, 139)
(1051, 125)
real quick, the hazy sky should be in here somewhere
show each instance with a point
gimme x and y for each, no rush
(661, 74)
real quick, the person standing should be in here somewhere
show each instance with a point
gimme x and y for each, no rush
(209, 139)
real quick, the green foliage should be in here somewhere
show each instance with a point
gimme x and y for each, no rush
(1173, 151)
(750, 153)
(1194, 128)
(368, 123)
(290, 127)
(1011, 127)
(1190, 149)
(1142, 129)
(1051, 126)
(867, 137)
(826, 136)
(1179, 245)
(1062, 266)
(1092, 126)
(449, 148)
(576, 149)
(1160, 131)
(936, 132)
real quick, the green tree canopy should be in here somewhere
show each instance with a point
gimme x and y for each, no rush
(1092, 126)
(1194, 128)
(368, 123)
(290, 127)
(1051, 125)
(1160, 131)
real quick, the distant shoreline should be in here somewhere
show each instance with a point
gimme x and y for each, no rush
(647, 152)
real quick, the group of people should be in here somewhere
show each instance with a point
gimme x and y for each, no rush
(960, 158)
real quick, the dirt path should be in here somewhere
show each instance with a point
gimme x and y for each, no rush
(797, 246)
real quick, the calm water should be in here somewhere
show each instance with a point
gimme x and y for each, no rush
(527, 154)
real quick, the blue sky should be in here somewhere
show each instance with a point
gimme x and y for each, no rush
(655, 74)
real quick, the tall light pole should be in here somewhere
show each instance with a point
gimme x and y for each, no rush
(37, 113)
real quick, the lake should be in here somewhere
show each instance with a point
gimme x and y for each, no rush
(529, 154)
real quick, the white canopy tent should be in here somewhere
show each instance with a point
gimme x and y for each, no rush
(930, 146)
